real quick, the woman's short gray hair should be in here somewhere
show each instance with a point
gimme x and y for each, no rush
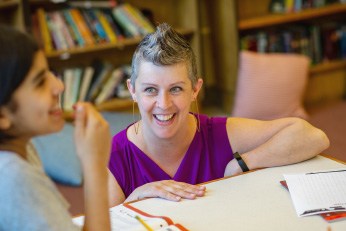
(164, 47)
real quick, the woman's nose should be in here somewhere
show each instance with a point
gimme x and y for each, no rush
(164, 101)
(57, 85)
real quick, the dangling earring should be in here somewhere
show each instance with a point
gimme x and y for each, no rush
(133, 115)
(198, 122)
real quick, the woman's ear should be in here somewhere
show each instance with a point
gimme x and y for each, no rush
(197, 88)
(5, 123)
(131, 89)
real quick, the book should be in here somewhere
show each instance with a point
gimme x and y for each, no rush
(58, 30)
(85, 83)
(82, 27)
(77, 75)
(123, 217)
(61, 23)
(128, 27)
(329, 217)
(99, 81)
(112, 22)
(67, 95)
(53, 31)
(317, 192)
(108, 88)
(47, 41)
(72, 23)
(97, 25)
(89, 22)
(106, 26)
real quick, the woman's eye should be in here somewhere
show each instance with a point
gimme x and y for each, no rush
(150, 90)
(41, 82)
(176, 89)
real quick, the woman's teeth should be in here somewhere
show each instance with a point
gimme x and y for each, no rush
(164, 118)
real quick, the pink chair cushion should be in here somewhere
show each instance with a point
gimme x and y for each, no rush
(270, 86)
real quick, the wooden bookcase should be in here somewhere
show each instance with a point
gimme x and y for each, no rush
(181, 14)
(11, 13)
(328, 79)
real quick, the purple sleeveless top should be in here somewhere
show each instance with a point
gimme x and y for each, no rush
(205, 160)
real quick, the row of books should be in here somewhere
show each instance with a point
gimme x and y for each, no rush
(321, 43)
(79, 27)
(290, 6)
(96, 83)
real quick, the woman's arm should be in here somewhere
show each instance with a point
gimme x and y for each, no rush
(93, 142)
(167, 189)
(273, 143)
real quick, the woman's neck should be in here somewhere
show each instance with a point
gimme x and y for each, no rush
(15, 145)
(172, 149)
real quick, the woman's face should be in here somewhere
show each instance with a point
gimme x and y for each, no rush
(164, 95)
(37, 102)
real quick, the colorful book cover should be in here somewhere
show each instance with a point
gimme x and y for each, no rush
(97, 25)
(72, 23)
(47, 41)
(90, 24)
(125, 23)
(82, 27)
(106, 26)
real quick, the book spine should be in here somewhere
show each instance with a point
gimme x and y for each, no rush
(53, 32)
(83, 28)
(140, 17)
(98, 27)
(65, 31)
(109, 86)
(108, 29)
(59, 31)
(125, 23)
(76, 85)
(72, 23)
(132, 19)
(115, 28)
(47, 41)
(36, 31)
(85, 84)
(89, 23)
(68, 81)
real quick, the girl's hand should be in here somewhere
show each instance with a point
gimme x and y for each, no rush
(167, 189)
(92, 136)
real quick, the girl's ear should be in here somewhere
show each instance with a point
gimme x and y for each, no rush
(5, 123)
(131, 89)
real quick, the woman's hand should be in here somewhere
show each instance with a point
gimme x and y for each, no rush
(167, 189)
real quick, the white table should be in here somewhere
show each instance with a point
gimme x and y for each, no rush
(252, 201)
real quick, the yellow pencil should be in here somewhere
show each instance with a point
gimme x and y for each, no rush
(144, 224)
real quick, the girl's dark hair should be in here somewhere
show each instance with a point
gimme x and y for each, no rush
(17, 51)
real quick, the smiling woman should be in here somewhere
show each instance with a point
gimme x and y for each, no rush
(29, 107)
(167, 152)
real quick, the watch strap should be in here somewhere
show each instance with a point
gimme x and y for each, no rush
(241, 162)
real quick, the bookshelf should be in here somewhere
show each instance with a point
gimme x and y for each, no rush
(11, 13)
(327, 78)
(181, 14)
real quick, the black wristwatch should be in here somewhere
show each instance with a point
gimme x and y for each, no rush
(241, 162)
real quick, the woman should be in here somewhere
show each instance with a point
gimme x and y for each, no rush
(170, 150)
(29, 106)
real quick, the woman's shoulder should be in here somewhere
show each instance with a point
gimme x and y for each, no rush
(205, 119)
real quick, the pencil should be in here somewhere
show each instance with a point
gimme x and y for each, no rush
(144, 224)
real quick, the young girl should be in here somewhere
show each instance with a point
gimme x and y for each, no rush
(29, 106)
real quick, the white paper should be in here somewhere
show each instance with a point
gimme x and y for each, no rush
(318, 192)
(123, 218)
